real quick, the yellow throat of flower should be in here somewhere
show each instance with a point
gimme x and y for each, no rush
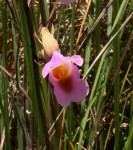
(62, 72)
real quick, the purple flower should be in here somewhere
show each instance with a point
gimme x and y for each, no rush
(65, 77)
(67, 1)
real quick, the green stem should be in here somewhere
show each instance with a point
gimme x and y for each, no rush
(117, 80)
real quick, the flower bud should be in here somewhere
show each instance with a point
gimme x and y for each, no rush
(50, 44)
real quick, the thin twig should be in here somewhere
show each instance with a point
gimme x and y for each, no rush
(28, 140)
(21, 88)
(82, 25)
(122, 58)
(52, 13)
(106, 46)
(55, 121)
(96, 23)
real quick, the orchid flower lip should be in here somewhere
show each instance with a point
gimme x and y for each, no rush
(62, 72)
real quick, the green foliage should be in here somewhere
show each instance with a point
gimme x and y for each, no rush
(30, 117)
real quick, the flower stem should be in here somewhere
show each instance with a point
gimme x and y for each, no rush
(62, 128)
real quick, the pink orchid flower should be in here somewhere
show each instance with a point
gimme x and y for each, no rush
(67, 1)
(64, 76)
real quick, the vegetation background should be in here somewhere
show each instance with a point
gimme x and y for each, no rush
(101, 31)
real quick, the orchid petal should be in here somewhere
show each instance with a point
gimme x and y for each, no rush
(67, 1)
(76, 59)
(80, 90)
(53, 63)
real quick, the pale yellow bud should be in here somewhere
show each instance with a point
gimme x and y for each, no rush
(50, 44)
